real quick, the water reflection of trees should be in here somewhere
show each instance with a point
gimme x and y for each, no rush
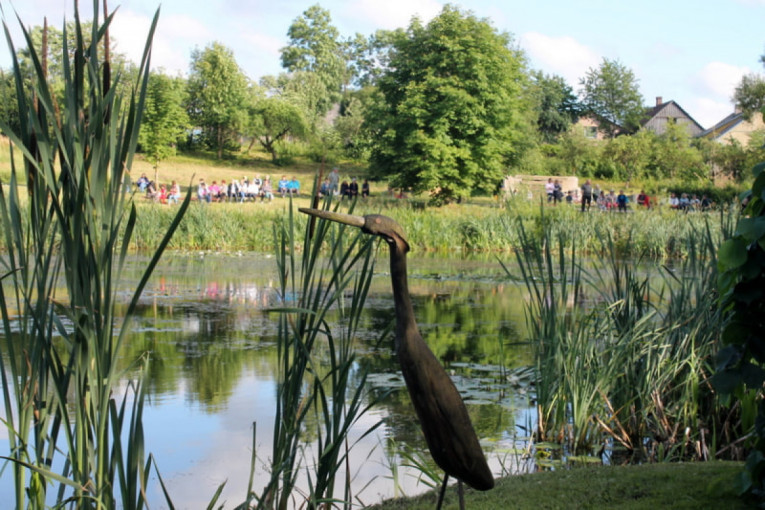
(204, 333)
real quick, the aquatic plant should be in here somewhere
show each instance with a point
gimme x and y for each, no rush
(624, 357)
(316, 278)
(67, 219)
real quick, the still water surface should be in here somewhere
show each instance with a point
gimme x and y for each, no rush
(211, 340)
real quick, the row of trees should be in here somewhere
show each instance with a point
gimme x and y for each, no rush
(448, 107)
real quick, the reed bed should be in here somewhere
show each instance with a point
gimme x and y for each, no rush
(653, 234)
(624, 357)
(76, 438)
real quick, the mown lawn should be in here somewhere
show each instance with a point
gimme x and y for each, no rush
(656, 486)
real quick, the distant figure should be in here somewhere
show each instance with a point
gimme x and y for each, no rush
(550, 190)
(586, 195)
(621, 201)
(334, 180)
(142, 182)
(353, 188)
(365, 189)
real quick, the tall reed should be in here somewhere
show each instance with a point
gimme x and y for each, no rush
(67, 425)
(325, 279)
(623, 356)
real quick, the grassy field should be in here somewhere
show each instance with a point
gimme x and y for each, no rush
(680, 486)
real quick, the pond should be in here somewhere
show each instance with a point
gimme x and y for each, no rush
(204, 320)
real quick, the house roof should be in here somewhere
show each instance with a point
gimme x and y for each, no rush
(654, 111)
(725, 125)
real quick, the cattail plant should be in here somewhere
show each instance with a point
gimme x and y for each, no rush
(67, 223)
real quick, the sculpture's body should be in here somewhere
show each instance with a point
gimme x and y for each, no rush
(442, 413)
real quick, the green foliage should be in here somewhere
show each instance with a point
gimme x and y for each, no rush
(217, 91)
(451, 117)
(274, 119)
(315, 48)
(556, 105)
(164, 119)
(611, 92)
(741, 362)
(333, 395)
(749, 95)
(622, 355)
(71, 225)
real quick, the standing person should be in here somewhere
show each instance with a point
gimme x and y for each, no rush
(365, 189)
(550, 190)
(557, 192)
(586, 195)
(621, 201)
(353, 188)
(334, 180)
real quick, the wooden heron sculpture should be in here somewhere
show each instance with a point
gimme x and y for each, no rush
(444, 419)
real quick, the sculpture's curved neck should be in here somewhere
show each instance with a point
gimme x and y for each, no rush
(405, 321)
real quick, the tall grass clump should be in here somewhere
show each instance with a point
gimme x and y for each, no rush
(623, 351)
(74, 440)
(324, 281)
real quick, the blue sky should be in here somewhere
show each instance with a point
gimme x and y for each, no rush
(694, 52)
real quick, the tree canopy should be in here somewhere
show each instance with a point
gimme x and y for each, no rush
(164, 119)
(217, 89)
(611, 92)
(315, 47)
(556, 104)
(448, 121)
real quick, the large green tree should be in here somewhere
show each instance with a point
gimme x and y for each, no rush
(217, 91)
(556, 104)
(449, 118)
(612, 93)
(165, 120)
(274, 119)
(315, 47)
(749, 95)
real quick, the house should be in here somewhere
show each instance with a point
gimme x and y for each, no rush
(595, 128)
(735, 127)
(657, 117)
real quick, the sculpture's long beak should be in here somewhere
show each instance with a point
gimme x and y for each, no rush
(347, 219)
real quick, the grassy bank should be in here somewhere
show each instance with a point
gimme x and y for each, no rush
(676, 485)
(479, 226)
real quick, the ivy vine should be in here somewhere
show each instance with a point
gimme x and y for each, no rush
(741, 361)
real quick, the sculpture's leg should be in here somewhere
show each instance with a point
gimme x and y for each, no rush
(461, 492)
(443, 491)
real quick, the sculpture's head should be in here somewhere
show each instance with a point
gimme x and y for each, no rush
(374, 224)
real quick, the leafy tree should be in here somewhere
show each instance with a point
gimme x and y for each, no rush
(217, 89)
(740, 371)
(165, 120)
(9, 110)
(633, 155)
(611, 92)
(449, 121)
(674, 157)
(315, 47)
(275, 119)
(556, 104)
(749, 95)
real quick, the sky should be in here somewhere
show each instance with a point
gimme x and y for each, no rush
(691, 51)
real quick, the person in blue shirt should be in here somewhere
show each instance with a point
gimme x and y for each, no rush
(621, 201)
(283, 185)
(293, 187)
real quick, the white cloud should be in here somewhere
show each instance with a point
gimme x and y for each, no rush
(564, 56)
(720, 79)
(393, 14)
(708, 112)
(130, 30)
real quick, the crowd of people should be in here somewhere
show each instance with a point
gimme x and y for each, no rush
(234, 191)
(250, 190)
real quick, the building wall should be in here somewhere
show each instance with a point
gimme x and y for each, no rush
(742, 131)
(658, 124)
